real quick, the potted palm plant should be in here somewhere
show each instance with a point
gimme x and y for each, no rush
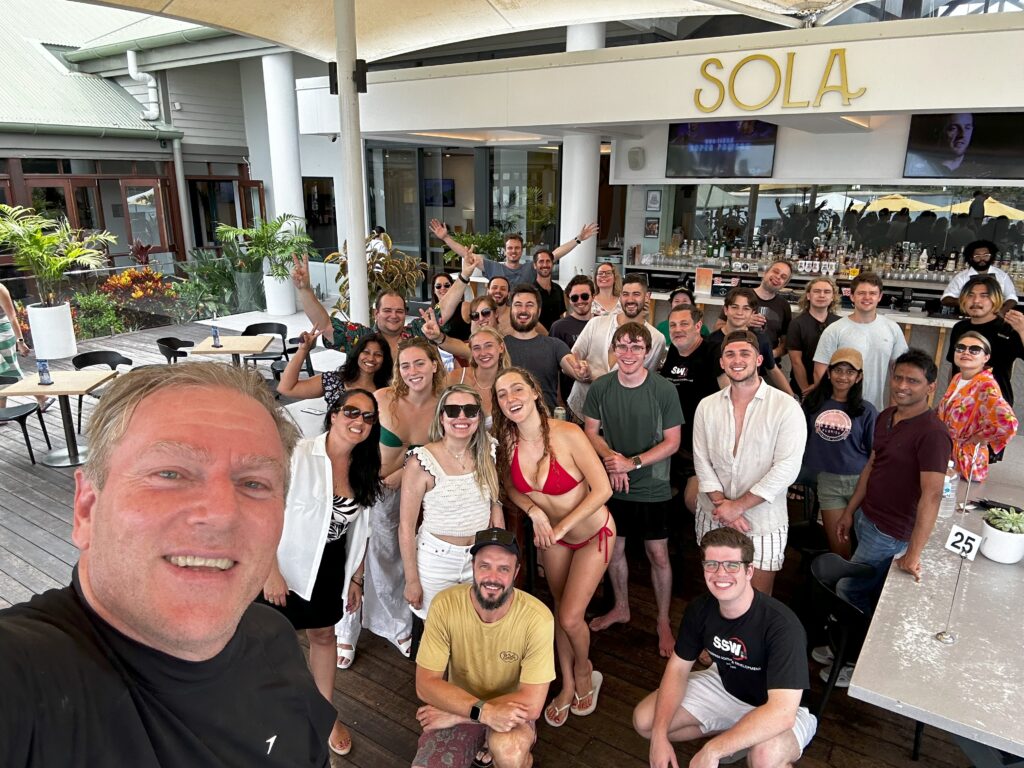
(273, 244)
(387, 269)
(48, 249)
(1003, 530)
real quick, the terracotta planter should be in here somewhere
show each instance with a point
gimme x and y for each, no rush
(53, 333)
(1001, 546)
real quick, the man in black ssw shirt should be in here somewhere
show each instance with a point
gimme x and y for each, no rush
(758, 647)
(155, 654)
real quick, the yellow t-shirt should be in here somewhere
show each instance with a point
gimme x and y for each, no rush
(488, 660)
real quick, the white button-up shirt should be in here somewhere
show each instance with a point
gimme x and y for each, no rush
(767, 458)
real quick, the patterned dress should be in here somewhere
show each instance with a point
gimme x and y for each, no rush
(976, 413)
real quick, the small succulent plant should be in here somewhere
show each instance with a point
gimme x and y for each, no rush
(1007, 520)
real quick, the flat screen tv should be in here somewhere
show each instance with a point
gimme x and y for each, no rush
(438, 193)
(965, 145)
(721, 150)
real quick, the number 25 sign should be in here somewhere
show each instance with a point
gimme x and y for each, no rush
(963, 543)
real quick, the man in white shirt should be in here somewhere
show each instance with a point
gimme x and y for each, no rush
(979, 256)
(594, 345)
(878, 339)
(748, 443)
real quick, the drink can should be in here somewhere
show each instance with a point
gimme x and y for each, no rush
(43, 368)
(559, 413)
(216, 336)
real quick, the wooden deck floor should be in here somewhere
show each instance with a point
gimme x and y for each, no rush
(376, 697)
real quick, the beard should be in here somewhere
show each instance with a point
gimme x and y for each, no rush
(529, 325)
(634, 311)
(496, 603)
(979, 266)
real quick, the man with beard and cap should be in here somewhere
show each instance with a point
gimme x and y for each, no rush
(496, 644)
(979, 255)
(594, 345)
(542, 356)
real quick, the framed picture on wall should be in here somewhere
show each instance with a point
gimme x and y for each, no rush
(653, 199)
(652, 226)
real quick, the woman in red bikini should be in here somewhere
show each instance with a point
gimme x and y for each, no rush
(551, 471)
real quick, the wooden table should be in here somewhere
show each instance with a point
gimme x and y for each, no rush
(65, 385)
(974, 688)
(236, 346)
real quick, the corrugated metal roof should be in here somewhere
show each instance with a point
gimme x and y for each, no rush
(38, 88)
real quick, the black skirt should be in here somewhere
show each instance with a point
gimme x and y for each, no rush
(326, 604)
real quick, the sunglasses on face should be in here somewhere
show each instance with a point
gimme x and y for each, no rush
(576, 297)
(471, 410)
(729, 566)
(482, 313)
(441, 286)
(973, 349)
(351, 412)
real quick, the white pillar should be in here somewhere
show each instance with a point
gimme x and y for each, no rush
(581, 172)
(283, 135)
(350, 195)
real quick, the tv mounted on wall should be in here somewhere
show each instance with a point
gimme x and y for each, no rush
(721, 150)
(439, 193)
(965, 145)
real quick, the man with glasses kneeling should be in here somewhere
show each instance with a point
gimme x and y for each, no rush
(749, 700)
(497, 645)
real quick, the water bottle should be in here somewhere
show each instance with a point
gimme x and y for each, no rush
(216, 337)
(950, 485)
(43, 368)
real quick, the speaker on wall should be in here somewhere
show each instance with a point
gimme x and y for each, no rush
(635, 157)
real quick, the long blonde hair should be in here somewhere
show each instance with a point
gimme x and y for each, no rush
(480, 444)
(399, 388)
(504, 361)
(616, 286)
(805, 297)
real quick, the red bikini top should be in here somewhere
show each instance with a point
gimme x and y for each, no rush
(558, 482)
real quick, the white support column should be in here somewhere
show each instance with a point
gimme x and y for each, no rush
(581, 172)
(283, 134)
(350, 195)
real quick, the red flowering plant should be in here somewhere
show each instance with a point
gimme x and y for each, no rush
(140, 294)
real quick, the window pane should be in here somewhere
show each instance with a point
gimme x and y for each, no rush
(50, 201)
(3, 166)
(148, 168)
(223, 169)
(196, 169)
(318, 194)
(82, 166)
(143, 207)
(85, 204)
(40, 165)
(113, 214)
(122, 167)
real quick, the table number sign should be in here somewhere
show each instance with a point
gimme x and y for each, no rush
(963, 542)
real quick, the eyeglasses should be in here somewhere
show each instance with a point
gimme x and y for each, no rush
(351, 412)
(730, 566)
(973, 349)
(605, 273)
(575, 297)
(439, 286)
(636, 349)
(470, 410)
(482, 313)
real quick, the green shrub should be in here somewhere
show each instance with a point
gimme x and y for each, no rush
(97, 315)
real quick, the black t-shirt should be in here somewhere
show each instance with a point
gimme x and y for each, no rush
(762, 650)
(76, 692)
(552, 304)
(777, 318)
(695, 376)
(804, 333)
(714, 342)
(568, 329)
(1007, 348)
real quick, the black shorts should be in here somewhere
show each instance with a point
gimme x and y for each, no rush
(646, 519)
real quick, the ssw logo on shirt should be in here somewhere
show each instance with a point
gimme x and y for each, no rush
(509, 657)
(731, 645)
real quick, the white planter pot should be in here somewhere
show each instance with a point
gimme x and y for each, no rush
(53, 333)
(1001, 546)
(280, 295)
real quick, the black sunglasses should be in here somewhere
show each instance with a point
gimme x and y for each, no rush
(439, 286)
(575, 297)
(481, 313)
(351, 412)
(973, 349)
(471, 410)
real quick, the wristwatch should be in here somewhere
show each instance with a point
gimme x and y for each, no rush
(476, 710)
(636, 462)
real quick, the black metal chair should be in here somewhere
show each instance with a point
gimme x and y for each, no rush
(171, 347)
(846, 625)
(275, 329)
(101, 357)
(20, 414)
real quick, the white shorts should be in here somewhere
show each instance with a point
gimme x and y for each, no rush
(718, 710)
(441, 565)
(769, 548)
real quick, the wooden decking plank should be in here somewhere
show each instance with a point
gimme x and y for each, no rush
(34, 555)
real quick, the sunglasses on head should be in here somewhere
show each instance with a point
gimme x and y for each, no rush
(470, 410)
(481, 313)
(575, 297)
(351, 412)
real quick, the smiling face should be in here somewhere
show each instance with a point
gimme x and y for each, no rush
(776, 277)
(352, 427)
(494, 574)
(737, 314)
(543, 264)
(740, 361)
(630, 354)
(910, 387)
(180, 538)
(497, 289)
(979, 304)
(461, 426)
(390, 317)
(581, 299)
(843, 376)
(727, 587)
(525, 312)
(486, 350)
(513, 251)
(605, 277)
(416, 369)
(866, 297)
(683, 332)
(632, 299)
(371, 358)
(516, 398)
(441, 285)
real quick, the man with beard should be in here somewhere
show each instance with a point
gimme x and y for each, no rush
(980, 300)
(748, 443)
(552, 297)
(594, 346)
(632, 418)
(512, 268)
(498, 288)
(542, 356)
(738, 310)
(979, 255)
(498, 675)
(772, 313)
(580, 291)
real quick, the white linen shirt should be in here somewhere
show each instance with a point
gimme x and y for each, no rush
(956, 285)
(767, 458)
(307, 519)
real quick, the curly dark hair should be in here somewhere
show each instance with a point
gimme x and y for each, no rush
(505, 430)
(364, 467)
(350, 370)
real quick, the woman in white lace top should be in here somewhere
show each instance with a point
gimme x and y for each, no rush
(453, 481)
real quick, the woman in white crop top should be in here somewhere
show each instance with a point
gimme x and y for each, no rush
(454, 483)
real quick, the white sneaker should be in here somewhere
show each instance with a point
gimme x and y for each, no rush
(823, 654)
(843, 681)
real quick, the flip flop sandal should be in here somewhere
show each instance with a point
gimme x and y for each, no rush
(556, 720)
(346, 655)
(596, 679)
(343, 749)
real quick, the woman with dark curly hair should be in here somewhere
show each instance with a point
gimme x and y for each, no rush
(551, 471)
(367, 367)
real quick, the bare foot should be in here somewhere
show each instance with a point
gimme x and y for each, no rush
(666, 642)
(614, 616)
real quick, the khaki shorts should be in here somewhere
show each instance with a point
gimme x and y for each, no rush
(835, 491)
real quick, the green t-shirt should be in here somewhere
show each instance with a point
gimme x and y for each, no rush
(633, 421)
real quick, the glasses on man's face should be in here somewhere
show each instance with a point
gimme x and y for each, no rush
(636, 349)
(577, 297)
(972, 349)
(442, 286)
(482, 313)
(729, 566)
(470, 410)
(351, 412)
